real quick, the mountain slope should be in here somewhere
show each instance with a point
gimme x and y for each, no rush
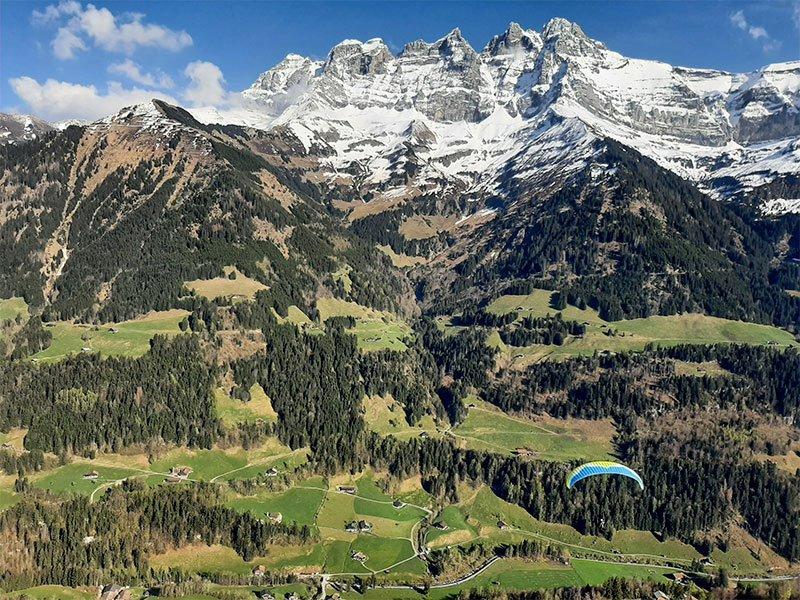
(106, 222)
(21, 128)
(622, 235)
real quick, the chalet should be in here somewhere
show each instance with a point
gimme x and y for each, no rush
(659, 595)
(181, 472)
(347, 489)
(91, 475)
(275, 517)
(441, 526)
(113, 330)
(292, 596)
(364, 526)
(88, 540)
(358, 556)
(86, 349)
(523, 451)
(676, 576)
(271, 472)
(114, 592)
(502, 525)
(358, 527)
(265, 595)
(172, 479)
(398, 504)
(259, 570)
(424, 434)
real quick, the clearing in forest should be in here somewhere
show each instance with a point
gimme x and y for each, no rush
(129, 338)
(489, 428)
(629, 334)
(234, 284)
(375, 329)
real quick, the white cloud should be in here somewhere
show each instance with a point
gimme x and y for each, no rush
(55, 11)
(757, 32)
(207, 85)
(57, 100)
(115, 33)
(738, 20)
(66, 43)
(134, 72)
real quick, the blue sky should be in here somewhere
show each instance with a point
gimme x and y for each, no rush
(82, 60)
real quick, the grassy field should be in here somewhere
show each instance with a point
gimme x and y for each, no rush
(375, 330)
(631, 334)
(52, 592)
(299, 505)
(11, 307)
(241, 287)
(69, 479)
(207, 465)
(383, 415)
(132, 338)
(488, 428)
(401, 261)
(7, 498)
(233, 411)
(596, 573)
(343, 274)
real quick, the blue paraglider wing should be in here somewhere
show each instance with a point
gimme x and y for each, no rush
(602, 468)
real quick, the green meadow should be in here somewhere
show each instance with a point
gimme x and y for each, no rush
(488, 428)
(11, 307)
(375, 330)
(129, 338)
(630, 334)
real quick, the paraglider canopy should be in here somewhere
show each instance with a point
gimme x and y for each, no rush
(602, 467)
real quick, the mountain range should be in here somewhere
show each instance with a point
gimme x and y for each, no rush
(453, 115)
(545, 159)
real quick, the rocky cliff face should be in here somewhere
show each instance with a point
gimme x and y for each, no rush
(483, 112)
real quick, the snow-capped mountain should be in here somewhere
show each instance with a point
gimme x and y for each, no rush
(17, 128)
(530, 103)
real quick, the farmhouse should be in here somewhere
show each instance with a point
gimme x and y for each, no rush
(271, 472)
(275, 517)
(440, 525)
(181, 472)
(358, 527)
(113, 330)
(364, 526)
(92, 475)
(398, 504)
(259, 570)
(347, 489)
(502, 525)
(265, 595)
(358, 556)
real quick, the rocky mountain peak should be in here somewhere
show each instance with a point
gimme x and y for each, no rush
(354, 58)
(514, 40)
